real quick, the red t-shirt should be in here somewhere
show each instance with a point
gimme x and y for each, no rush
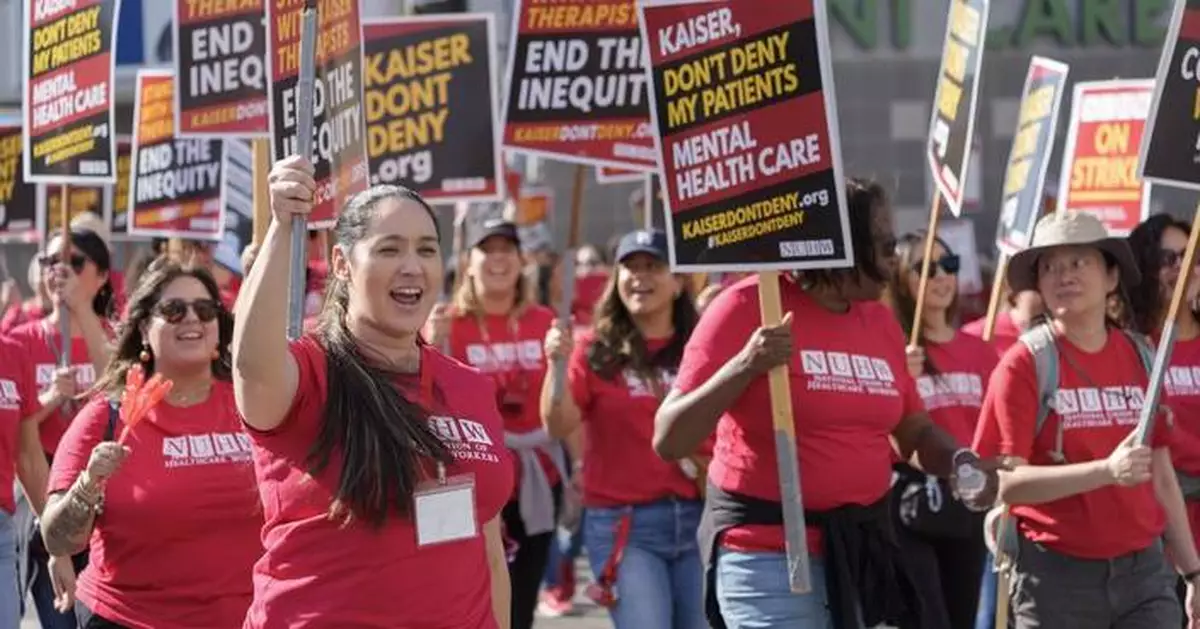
(588, 291)
(317, 573)
(41, 343)
(618, 422)
(1004, 334)
(21, 314)
(954, 395)
(13, 373)
(1100, 408)
(510, 353)
(181, 523)
(850, 388)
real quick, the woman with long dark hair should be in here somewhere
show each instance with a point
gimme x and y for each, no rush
(940, 538)
(496, 326)
(380, 461)
(852, 396)
(172, 514)
(80, 290)
(642, 512)
(1094, 518)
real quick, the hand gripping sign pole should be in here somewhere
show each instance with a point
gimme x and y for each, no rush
(568, 278)
(64, 256)
(304, 138)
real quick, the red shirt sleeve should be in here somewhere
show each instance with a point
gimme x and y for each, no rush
(579, 375)
(727, 324)
(71, 457)
(1010, 406)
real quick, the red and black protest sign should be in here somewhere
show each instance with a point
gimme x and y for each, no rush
(68, 67)
(743, 103)
(220, 69)
(577, 84)
(606, 175)
(1033, 142)
(339, 126)
(431, 106)
(1100, 157)
(1170, 148)
(119, 223)
(953, 119)
(18, 198)
(177, 182)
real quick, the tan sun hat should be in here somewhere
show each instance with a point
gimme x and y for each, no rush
(1066, 229)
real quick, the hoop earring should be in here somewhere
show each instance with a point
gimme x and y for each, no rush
(144, 355)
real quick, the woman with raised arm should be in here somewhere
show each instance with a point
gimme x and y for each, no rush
(79, 290)
(1094, 518)
(381, 462)
(851, 396)
(171, 510)
(642, 512)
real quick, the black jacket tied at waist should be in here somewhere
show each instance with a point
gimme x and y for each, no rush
(863, 570)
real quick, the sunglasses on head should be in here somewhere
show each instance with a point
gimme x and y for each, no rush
(175, 310)
(948, 263)
(76, 260)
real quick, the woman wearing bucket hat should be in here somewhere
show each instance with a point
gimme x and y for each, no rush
(1088, 507)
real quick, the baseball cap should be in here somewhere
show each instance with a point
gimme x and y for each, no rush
(497, 227)
(650, 241)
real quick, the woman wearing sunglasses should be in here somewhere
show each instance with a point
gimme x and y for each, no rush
(941, 539)
(170, 504)
(79, 290)
(381, 462)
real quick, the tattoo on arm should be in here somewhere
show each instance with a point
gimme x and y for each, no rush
(68, 522)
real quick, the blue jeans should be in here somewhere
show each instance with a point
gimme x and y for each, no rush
(753, 591)
(987, 597)
(10, 589)
(660, 578)
(561, 552)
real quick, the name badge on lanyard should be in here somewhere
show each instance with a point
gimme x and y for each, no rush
(444, 507)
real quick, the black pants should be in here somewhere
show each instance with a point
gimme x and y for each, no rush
(89, 620)
(948, 572)
(527, 568)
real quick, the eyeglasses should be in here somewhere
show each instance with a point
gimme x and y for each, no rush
(49, 261)
(175, 310)
(1171, 257)
(947, 263)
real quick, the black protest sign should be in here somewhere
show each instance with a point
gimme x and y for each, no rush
(18, 198)
(953, 118)
(1033, 142)
(431, 106)
(68, 72)
(747, 123)
(239, 206)
(1171, 144)
(220, 68)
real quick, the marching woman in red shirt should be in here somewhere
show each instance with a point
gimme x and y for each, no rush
(171, 510)
(642, 512)
(80, 290)
(494, 327)
(32, 309)
(851, 395)
(1092, 508)
(380, 462)
(940, 538)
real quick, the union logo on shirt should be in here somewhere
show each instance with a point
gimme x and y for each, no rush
(639, 386)
(1182, 381)
(85, 374)
(1092, 407)
(10, 398)
(841, 372)
(206, 449)
(953, 389)
(466, 439)
(505, 356)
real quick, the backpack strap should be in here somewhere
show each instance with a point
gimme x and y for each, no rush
(1042, 346)
(114, 417)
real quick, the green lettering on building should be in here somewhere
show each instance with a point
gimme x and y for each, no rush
(1114, 23)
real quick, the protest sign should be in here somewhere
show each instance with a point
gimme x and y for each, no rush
(606, 175)
(534, 206)
(1100, 157)
(1029, 158)
(339, 126)
(953, 119)
(119, 224)
(220, 69)
(80, 200)
(68, 68)
(749, 140)
(18, 198)
(177, 183)
(431, 106)
(577, 85)
(239, 206)
(1170, 148)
